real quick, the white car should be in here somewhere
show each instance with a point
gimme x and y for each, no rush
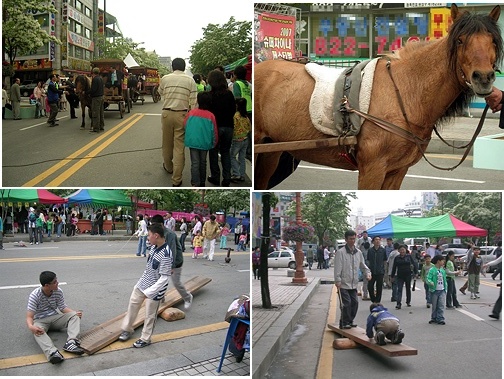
(283, 259)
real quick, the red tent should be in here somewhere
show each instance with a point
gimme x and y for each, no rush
(141, 204)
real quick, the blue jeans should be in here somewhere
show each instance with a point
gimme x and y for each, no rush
(58, 232)
(238, 165)
(142, 245)
(427, 293)
(198, 167)
(438, 305)
(39, 233)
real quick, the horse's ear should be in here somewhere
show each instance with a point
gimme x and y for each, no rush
(495, 13)
(455, 13)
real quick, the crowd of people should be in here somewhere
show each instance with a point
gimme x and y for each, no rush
(394, 267)
(211, 116)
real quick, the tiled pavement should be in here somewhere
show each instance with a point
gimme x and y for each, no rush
(209, 368)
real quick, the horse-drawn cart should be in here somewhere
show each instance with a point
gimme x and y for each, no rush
(143, 81)
(113, 94)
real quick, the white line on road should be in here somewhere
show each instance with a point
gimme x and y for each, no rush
(152, 114)
(409, 176)
(42, 123)
(26, 286)
(243, 270)
(470, 315)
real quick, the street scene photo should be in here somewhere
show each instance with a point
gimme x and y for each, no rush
(125, 282)
(376, 283)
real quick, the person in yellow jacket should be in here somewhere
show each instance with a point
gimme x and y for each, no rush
(210, 232)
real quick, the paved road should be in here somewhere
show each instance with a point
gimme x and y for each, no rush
(97, 277)
(127, 154)
(468, 336)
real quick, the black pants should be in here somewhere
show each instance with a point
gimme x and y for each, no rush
(378, 279)
(400, 282)
(350, 306)
(498, 304)
(255, 270)
(451, 295)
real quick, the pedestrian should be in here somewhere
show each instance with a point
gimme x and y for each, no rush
(15, 98)
(176, 249)
(436, 279)
(1, 233)
(363, 244)
(210, 233)
(240, 141)
(389, 247)
(243, 89)
(47, 310)
(50, 222)
(201, 135)
(5, 99)
(237, 231)
(97, 107)
(242, 242)
(142, 234)
(73, 99)
(223, 236)
(178, 91)
(385, 324)
(498, 269)
(198, 241)
(39, 223)
(39, 94)
(376, 263)
(256, 262)
(224, 108)
(402, 271)
(199, 86)
(423, 274)
(347, 262)
(474, 268)
(498, 304)
(169, 221)
(32, 226)
(151, 287)
(183, 233)
(53, 96)
(451, 294)
(309, 256)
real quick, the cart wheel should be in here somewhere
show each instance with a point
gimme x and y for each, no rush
(134, 96)
(155, 94)
(128, 101)
(121, 108)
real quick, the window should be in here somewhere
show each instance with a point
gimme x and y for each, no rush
(87, 12)
(78, 52)
(78, 5)
(87, 33)
(43, 20)
(78, 28)
(87, 55)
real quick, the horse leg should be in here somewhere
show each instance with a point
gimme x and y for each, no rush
(266, 164)
(83, 111)
(371, 177)
(393, 180)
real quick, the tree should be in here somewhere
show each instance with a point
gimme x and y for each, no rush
(225, 200)
(21, 32)
(221, 45)
(327, 212)
(174, 200)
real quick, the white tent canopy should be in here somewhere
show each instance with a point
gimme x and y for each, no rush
(129, 61)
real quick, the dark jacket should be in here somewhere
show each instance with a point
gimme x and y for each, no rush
(402, 266)
(96, 86)
(224, 108)
(376, 260)
(53, 94)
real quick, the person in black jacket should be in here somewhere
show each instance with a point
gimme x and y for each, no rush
(404, 266)
(96, 92)
(71, 96)
(376, 257)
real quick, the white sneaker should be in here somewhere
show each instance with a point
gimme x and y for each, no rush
(187, 304)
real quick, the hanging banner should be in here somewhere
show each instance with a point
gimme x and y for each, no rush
(275, 37)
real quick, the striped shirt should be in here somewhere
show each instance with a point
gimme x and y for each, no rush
(178, 91)
(154, 281)
(44, 306)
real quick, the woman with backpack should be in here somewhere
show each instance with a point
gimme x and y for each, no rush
(32, 226)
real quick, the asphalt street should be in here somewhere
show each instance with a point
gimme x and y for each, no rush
(468, 346)
(97, 278)
(126, 154)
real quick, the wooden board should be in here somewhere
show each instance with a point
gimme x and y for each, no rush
(104, 334)
(359, 335)
(301, 145)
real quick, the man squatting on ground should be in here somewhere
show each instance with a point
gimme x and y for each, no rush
(385, 324)
(47, 310)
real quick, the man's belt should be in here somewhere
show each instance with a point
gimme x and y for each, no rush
(175, 110)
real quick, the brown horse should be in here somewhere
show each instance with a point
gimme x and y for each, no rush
(82, 88)
(435, 80)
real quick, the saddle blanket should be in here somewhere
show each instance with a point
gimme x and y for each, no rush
(329, 86)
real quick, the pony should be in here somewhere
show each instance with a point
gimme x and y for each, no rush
(422, 85)
(82, 88)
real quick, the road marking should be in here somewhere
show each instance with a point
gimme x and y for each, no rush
(40, 358)
(407, 175)
(471, 315)
(325, 362)
(243, 270)
(151, 114)
(33, 182)
(26, 286)
(63, 258)
(42, 123)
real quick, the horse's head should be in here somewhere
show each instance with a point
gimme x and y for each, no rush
(475, 48)
(81, 84)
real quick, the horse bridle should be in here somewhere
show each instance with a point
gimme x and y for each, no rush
(408, 134)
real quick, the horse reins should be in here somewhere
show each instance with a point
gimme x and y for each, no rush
(408, 134)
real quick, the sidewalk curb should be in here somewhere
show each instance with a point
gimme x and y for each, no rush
(270, 344)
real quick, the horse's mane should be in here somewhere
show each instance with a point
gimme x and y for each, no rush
(84, 80)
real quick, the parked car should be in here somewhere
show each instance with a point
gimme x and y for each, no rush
(283, 259)
(27, 87)
(123, 218)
